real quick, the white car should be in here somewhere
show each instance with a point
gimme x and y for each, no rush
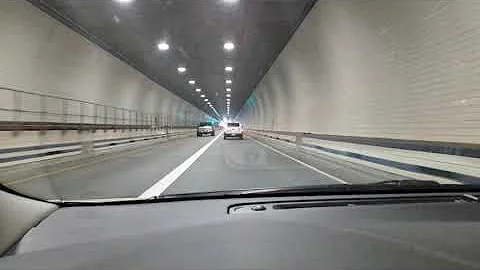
(233, 130)
(205, 128)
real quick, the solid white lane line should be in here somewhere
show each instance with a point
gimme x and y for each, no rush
(168, 179)
(301, 162)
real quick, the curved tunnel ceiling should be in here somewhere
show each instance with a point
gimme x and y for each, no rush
(195, 31)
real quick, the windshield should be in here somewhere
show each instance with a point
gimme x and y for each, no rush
(103, 99)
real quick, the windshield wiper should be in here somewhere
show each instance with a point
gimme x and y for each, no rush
(407, 182)
(382, 187)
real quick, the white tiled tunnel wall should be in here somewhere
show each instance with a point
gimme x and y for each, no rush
(39, 54)
(393, 69)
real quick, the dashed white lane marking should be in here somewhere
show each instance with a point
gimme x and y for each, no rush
(168, 179)
(301, 162)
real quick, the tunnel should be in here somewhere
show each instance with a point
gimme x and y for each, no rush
(114, 100)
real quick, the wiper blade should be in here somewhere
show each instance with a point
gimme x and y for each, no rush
(383, 187)
(406, 182)
(389, 186)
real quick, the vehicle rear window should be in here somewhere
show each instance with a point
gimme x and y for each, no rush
(203, 124)
(233, 124)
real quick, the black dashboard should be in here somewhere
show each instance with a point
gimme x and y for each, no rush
(420, 231)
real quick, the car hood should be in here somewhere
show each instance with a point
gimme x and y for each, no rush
(185, 235)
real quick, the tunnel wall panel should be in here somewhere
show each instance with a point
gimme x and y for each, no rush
(391, 69)
(39, 54)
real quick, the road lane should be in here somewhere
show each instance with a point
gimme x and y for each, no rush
(243, 164)
(224, 165)
(353, 173)
(122, 176)
(168, 179)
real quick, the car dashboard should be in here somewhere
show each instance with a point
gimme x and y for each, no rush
(419, 231)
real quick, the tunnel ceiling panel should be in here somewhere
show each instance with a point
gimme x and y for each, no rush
(195, 31)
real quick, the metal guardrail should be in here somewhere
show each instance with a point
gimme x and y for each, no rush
(29, 153)
(44, 126)
(24, 110)
(454, 149)
(447, 148)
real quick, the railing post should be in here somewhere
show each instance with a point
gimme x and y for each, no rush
(17, 108)
(43, 108)
(87, 147)
(64, 111)
(163, 122)
(149, 121)
(114, 119)
(105, 118)
(123, 120)
(299, 139)
(95, 116)
(129, 120)
(82, 116)
(64, 114)
(43, 112)
(167, 123)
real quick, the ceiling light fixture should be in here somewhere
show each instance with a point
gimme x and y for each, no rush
(228, 95)
(163, 46)
(228, 89)
(229, 46)
(129, 1)
(202, 96)
(198, 90)
(228, 81)
(228, 99)
(228, 68)
(205, 100)
(192, 82)
(181, 69)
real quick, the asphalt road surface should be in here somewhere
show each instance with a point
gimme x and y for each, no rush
(196, 165)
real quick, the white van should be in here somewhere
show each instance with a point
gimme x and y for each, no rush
(233, 129)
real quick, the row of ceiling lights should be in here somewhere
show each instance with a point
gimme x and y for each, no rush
(129, 1)
(227, 46)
